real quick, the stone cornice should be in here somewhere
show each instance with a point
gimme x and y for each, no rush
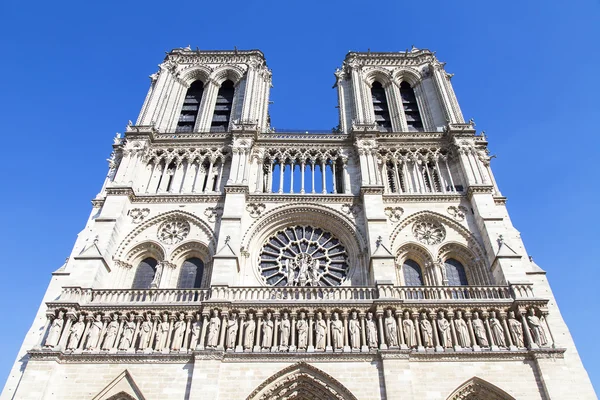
(163, 198)
(371, 190)
(301, 198)
(479, 189)
(420, 198)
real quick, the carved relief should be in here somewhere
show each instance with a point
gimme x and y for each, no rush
(173, 231)
(138, 214)
(256, 209)
(457, 212)
(429, 232)
(393, 213)
(213, 213)
(351, 209)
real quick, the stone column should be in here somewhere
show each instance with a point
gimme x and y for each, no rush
(311, 347)
(239, 348)
(312, 173)
(324, 188)
(471, 332)
(333, 177)
(224, 317)
(415, 316)
(258, 330)
(403, 345)
(281, 170)
(526, 332)
(66, 331)
(453, 330)
(347, 347)
(49, 318)
(293, 338)
(363, 336)
(292, 176)
(202, 342)
(493, 345)
(303, 165)
(328, 347)
(89, 319)
(346, 175)
(382, 345)
(436, 338)
(502, 316)
(275, 344)
(186, 336)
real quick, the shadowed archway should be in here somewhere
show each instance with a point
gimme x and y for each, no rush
(301, 381)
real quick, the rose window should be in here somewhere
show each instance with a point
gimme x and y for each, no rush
(174, 231)
(303, 256)
(429, 232)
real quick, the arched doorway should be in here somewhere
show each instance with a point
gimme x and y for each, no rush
(301, 381)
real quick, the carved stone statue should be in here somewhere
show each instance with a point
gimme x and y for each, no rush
(408, 327)
(426, 331)
(267, 330)
(537, 330)
(497, 330)
(320, 332)
(479, 330)
(314, 274)
(75, 333)
(232, 330)
(145, 332)
(371, 331)
(157, 275)
(444, 330)
(250, 328)
(337, 332)
(111, 334)
(462, 331)
(213, 330)
(516, 330)
(391, 329)
(284, 331)
(93, 335)
(291, 279)
(179, 328)
(162, 333)
(354, 330)
(302, 327)
(128, 332)
(55, 331)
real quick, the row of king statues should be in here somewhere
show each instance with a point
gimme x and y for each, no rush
(300, 331)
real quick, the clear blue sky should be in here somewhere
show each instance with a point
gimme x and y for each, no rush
(73, 73)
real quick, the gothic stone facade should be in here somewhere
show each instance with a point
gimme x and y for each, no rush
(224, 259)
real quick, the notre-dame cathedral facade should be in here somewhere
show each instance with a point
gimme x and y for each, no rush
(225, 259)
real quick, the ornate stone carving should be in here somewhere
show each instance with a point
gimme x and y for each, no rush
(479, 331)
(408, 326)
(393, 213)
(320, 332)
(213, 330)
(516, 330)
(138, 214)
(353, 209)
(371, 329)
(75, 333)
(391, 329)
(497, 330)
(173, 231)
(267, 328)
(255, 209)
(249, 329)
(537, 330)
(179, 328)
(55, 330)
(429, 232)
(354, 330)
(303, 256)
(457, 212)
(213, 213)
(337, 332)
(302, 327)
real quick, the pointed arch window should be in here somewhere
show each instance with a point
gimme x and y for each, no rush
(223, 106)
(144, 274)
(411, 108)
(455, 273)
(190, 108)
(412, 273)
(380, 107)
(192, 270)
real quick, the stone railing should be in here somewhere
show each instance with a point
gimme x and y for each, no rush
(425, 294)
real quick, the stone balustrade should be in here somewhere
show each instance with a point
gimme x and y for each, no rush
(85, 296)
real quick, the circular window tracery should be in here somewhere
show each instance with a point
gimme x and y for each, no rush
(303, 256)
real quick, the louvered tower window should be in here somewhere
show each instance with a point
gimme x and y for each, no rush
(191, 106)
(455, 273)
(412, 273)
(144, 274)
(411, 108)
(191, 273)
(380, 107)
(220, 121)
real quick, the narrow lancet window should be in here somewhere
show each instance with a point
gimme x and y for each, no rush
(191, 273)
(223, 106)
(191, 106)
(412, 273)
(411, 108)
(144, 274)
(380, 107)
(455, 273)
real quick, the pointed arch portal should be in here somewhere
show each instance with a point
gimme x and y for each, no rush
(301, 381)
(478, 389)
